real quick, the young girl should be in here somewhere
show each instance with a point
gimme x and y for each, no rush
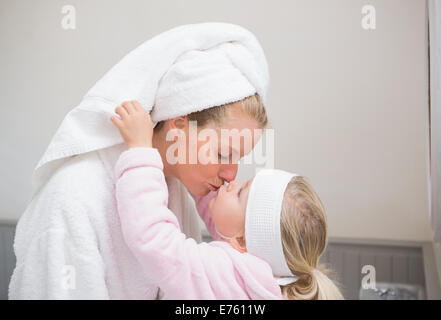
(272, 230)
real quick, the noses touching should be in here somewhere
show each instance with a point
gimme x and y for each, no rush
(228, 172)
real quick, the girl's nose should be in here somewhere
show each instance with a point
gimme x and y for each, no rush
(233, 184)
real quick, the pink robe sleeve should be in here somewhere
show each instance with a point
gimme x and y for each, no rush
(181, 267)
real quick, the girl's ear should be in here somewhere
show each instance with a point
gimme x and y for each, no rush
(239, 244)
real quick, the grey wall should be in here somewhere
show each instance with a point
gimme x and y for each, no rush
(434, 9)
(349, 106)
(7, 257)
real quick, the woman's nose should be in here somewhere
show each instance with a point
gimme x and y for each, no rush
(228, 172)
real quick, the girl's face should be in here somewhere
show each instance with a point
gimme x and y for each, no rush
(200, 178)
(228, 208)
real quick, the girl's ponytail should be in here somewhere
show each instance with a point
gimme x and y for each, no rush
(314, 285)
(304, 238)
(327, 290)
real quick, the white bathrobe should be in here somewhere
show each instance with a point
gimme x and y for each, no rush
(69, 246)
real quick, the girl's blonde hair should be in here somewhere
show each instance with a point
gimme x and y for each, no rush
(252, 106)
(304, 238)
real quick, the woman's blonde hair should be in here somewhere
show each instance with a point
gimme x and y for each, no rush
(252, 106)
(304, 238)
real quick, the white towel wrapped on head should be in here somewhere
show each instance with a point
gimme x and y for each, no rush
(183, 70)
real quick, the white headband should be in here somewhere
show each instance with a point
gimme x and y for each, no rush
(262, 221)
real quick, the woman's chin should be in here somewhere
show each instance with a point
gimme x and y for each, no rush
(200, 192)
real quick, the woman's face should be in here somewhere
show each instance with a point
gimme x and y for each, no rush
(200, 177)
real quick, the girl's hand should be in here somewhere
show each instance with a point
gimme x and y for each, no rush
(135, 125)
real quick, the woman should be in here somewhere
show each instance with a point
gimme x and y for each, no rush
(68, 242)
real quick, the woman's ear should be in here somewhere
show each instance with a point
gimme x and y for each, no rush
(178, 123)
(239, 244)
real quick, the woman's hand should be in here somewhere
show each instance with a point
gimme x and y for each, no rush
(135, 124)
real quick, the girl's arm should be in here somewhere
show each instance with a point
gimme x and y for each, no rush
(152, 232)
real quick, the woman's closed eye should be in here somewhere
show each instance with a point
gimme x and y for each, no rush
(224, 157)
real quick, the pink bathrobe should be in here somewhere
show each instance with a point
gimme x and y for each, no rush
(181, 267)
